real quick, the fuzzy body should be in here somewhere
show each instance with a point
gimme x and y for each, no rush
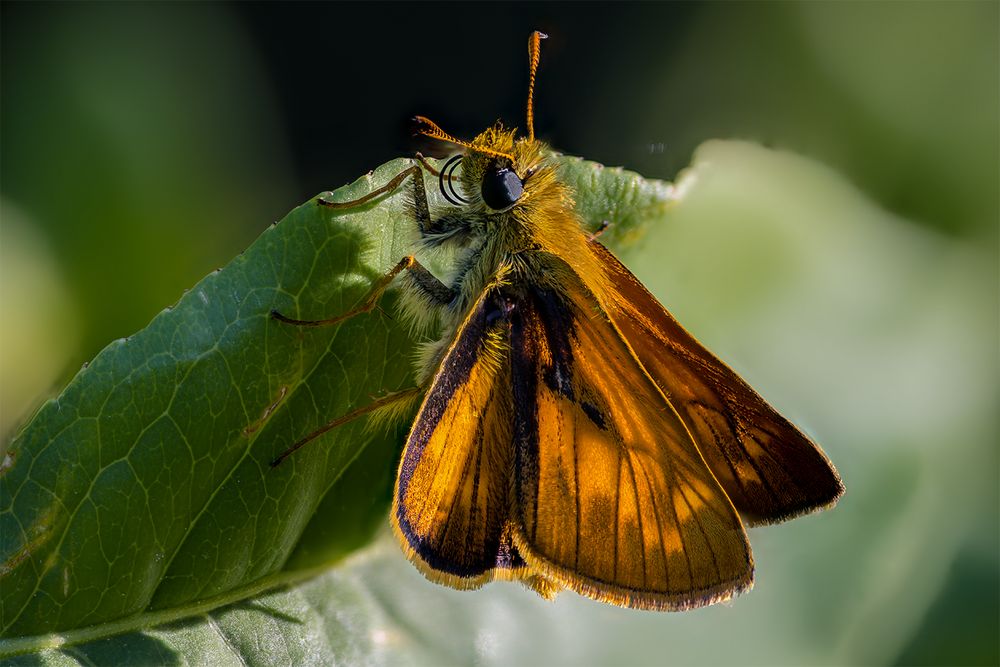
(537, 241)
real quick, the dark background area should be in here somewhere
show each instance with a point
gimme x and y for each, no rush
(464, 67)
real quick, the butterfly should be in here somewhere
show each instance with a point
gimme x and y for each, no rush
(571, 434)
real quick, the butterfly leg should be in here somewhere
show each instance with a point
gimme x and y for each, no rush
(600, 230)
(394, 400)
(427, 165)
(423, 279)
(374, 194)
(419, 204)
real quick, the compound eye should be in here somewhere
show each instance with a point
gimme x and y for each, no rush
(501, 188)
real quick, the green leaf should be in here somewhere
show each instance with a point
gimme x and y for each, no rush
(143, 495)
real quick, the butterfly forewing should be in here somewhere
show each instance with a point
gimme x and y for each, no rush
(612, 497)
(770, 470)
(453, 484)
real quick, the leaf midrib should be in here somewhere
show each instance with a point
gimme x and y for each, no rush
(53, 640)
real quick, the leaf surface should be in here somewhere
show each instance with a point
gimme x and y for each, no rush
(143, 494)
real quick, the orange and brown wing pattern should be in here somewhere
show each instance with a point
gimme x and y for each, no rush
(770, 470)
(612, 498)
(452, 490)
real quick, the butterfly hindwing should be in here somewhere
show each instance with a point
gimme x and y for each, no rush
(612, 498)
(770, 470)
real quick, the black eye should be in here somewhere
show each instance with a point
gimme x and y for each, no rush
(501, 188)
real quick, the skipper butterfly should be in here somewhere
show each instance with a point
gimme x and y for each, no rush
(571, 433)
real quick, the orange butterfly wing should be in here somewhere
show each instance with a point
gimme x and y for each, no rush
(768, 468)
(612, 497)
(451, 502)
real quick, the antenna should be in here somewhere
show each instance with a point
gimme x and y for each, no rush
(534, 48)
(428, 128)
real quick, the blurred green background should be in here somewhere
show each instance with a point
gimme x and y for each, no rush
(840, 250)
